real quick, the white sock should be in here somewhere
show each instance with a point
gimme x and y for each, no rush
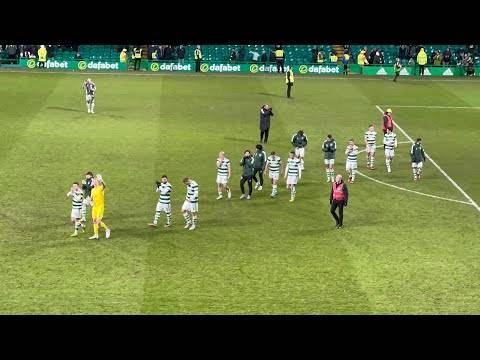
(186, 215)
(353, 174)
(293, 191)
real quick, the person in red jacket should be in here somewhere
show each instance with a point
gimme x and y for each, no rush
(387, 121)
(338, 199)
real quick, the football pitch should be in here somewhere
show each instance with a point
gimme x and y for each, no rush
(407, 247)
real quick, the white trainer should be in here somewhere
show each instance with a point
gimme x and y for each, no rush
(192, 227)
(107, 233)
(243, 196)
(187, 226)
(260, 188)
(94, 237)
(219, 197)
(229, 194)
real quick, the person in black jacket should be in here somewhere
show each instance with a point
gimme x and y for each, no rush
(241, 54)
(181, 54)
(265, 114)
(338, 199)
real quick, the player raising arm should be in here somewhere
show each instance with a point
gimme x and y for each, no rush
(165, 190)
(274, 166)
(224, 173)
(98, 207)
(77, 198)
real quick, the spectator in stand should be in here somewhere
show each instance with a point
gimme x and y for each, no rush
(382, 57)
(255, 56)
(401, 51)
(437, 58)
(411, 62)
(412, 51)
(78, 56)
(181, 54)
(12, 53)
(314, 54)
(446, 57)
(168, 52)
(264, 57)
(271, 57)
(233, 55)
(333, 58)
(320, 56)
(376, 58)
(241, 54)
(470, 66)
(371, 58)
(471, 49)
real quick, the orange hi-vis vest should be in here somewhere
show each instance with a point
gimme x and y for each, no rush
(338, 191)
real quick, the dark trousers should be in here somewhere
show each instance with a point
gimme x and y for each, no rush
(41, 64)
(422, 69)
(397, 74)
(197, 65)
(242, 184)
(264, 133)
(280, 64)
(345, 69)
(289, 89)
(260, 175)
(135, 62)
(337, 204)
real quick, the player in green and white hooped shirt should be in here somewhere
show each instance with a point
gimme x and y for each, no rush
(76, 194)
(329, 148)
(417, 155)
(274, 166)
(190, 205)
(389, 144)
(223, 174)
(165, 190)
(293, 173)
(370, 144)
(351, 164)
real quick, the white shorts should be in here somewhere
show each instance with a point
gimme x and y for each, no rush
(329, 161)
(300, 152)
(370, 149)
(188, 206)
(222, 179)
(90, 98)
(164, 207)
(274, 175)
(389, 153)
(75, 214)
(417, 165)
(292, 180)
(351, 165)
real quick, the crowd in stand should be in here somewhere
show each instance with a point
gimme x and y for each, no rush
(460, 57)
(11, 53)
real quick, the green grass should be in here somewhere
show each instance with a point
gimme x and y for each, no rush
(399, 252)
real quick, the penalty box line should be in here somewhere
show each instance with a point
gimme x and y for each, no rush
(472, 202)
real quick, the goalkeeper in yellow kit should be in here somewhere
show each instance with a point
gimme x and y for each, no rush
(98, 206)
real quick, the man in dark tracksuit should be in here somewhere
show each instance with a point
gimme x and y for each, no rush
(259, 163)
(247, 174)
(265, 113)
(338, 198)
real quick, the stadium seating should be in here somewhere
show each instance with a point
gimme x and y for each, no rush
(296, 54)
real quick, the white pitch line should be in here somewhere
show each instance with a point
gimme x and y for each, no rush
(401, 188)
(472, 202)
(435, 107)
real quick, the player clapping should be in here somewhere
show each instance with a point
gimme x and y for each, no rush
(165, 190)
(190, 205)
(351, 165)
